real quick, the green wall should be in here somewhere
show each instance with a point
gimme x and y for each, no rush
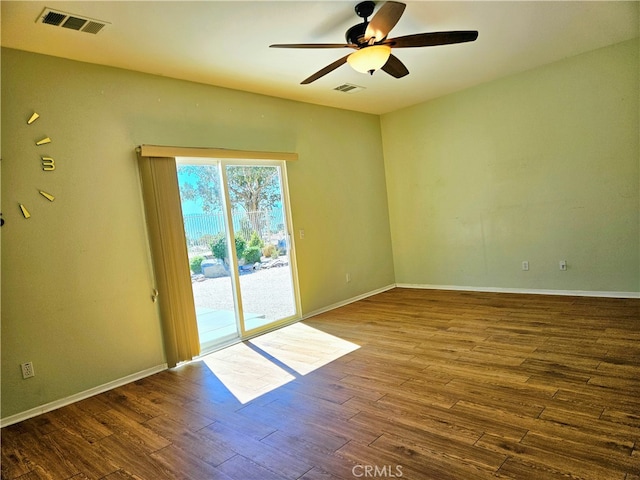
(541, 166)
(76, 276)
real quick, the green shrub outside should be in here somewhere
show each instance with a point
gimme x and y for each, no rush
(219, 246)
(241, 245)
(256, 241)
(252, 254)
(196, 264)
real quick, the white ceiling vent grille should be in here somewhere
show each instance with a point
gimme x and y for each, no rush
(70, 21)
(349, 88)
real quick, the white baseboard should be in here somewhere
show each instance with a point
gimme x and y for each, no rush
(347, 302)
(19, 417)
(532, 291)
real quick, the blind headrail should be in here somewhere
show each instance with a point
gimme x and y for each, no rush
(198, 152)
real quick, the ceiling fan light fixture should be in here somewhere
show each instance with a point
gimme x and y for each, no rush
(368, 59)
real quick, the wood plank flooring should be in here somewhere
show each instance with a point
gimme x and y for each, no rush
(412, 384)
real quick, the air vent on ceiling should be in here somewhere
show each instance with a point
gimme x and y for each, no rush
(70, 21)
(349, 88)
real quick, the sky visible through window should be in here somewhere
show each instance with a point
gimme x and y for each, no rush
(189, 207)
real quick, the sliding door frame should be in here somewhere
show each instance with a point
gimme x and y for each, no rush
(237, 157)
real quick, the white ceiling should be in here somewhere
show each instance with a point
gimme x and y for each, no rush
(225, 43)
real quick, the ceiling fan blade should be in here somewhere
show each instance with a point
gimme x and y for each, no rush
(313, 45)
(432, 39)
(384, 20)
(395, 67)
(325, 70)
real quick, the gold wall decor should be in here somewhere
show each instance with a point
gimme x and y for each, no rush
(48, 196)
(48, 164)
(25, 212)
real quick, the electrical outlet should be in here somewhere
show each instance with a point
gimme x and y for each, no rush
(348, 277)
(563, 265)
(301, 234)
(27, 370)
(525, 265)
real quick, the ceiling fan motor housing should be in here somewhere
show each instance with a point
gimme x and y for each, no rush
(365, 9)
(355, 34)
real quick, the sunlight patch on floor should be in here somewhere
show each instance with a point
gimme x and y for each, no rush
(303, 348)
(246, 373)
(251, 369)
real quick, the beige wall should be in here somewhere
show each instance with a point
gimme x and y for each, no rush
(76, 276)
(542, 166)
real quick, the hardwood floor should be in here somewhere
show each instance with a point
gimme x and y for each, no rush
(412, 384)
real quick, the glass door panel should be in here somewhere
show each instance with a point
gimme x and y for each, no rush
(247, 284)
(206, 231)
(262, 242)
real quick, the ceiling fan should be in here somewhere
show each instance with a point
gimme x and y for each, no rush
(373, 48)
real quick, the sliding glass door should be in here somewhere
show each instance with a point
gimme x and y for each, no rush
(237, 226)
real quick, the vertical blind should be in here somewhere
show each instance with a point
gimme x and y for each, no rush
(169, 253)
